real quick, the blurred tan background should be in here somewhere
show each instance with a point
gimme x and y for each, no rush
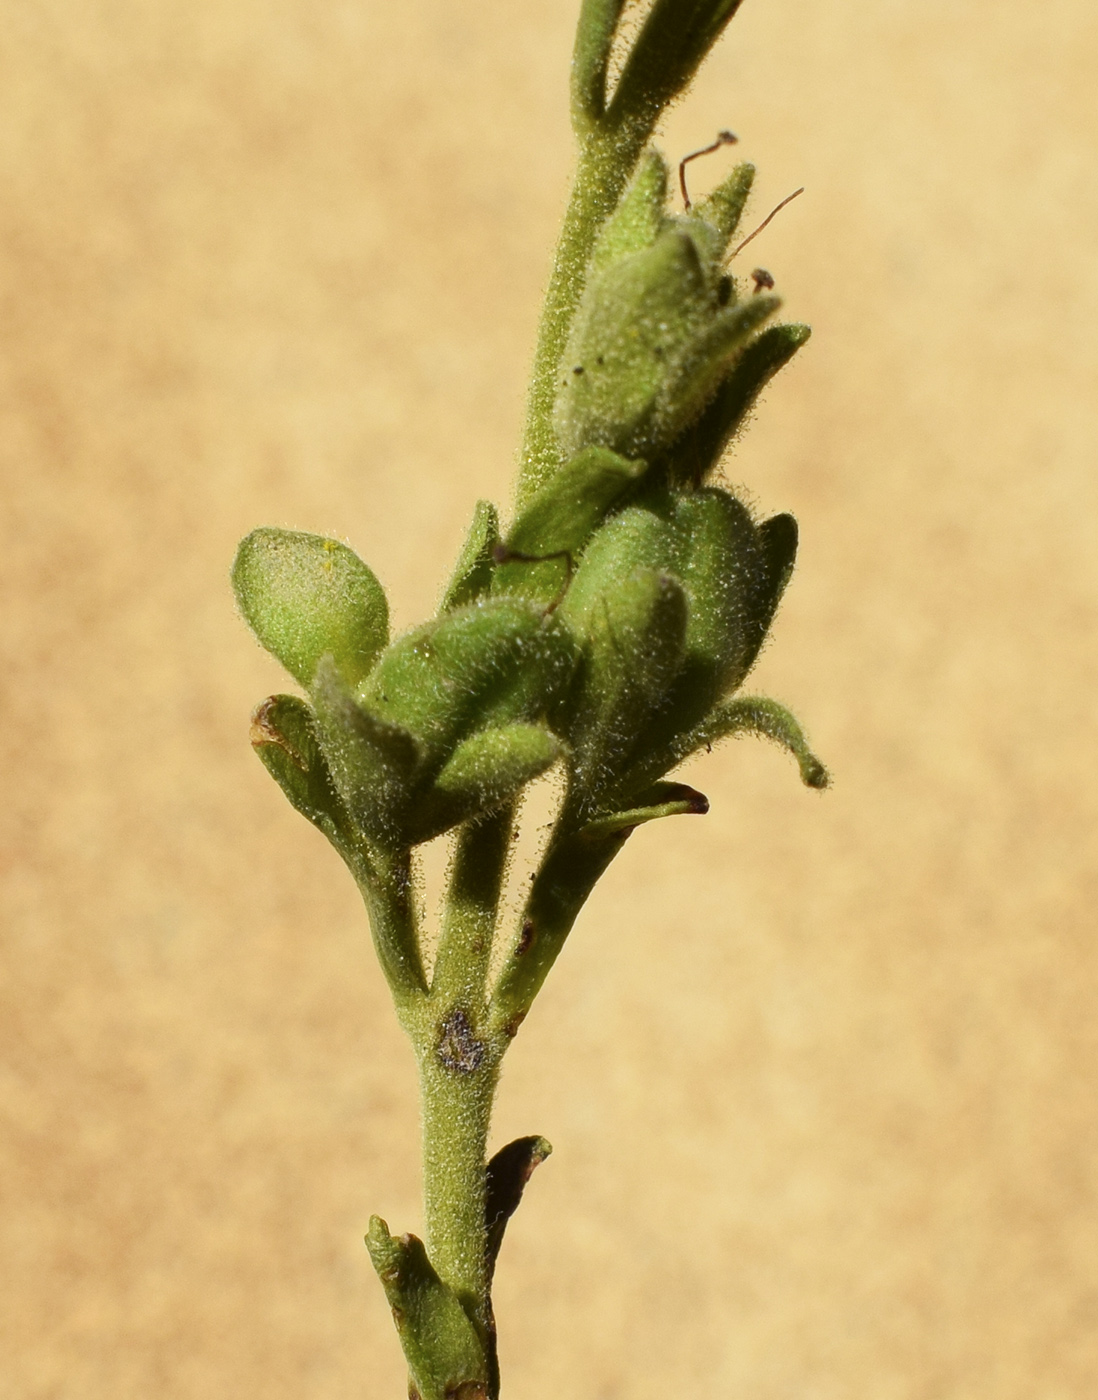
(820, 1071)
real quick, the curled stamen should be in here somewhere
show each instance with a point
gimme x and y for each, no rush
(724, 138)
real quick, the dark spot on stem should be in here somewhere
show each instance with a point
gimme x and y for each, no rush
(577, 369)
(458, 1049)
(511, 1029)
(526, 937)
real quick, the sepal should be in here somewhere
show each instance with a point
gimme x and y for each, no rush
(305, 596)
(552, 529)
(485, 771)
(660, 800)
(446, 1358)
(703, 364)
(698, 451)
(472, 574)
(722, 209)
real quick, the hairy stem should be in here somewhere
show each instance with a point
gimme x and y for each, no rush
(459, 1067)
(457, 1111)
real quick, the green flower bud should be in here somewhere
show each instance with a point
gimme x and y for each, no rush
(659, 333)
(305, 597)
(633, 634)
(636, 318)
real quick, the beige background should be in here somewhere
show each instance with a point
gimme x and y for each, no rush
(820, 1071)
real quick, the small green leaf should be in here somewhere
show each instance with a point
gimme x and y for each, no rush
(698, 451)
(553, 528)
(491, 765)
(594, 38)
(284, 738)
(445, 1355)
(373, 761)
(660, 800)
(305, 596)
(753, 714)
(485, 771)
(723, 207)
(673, 41)
(472, 574)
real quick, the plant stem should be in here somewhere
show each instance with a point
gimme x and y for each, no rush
(459, 1067)
(457, 1110)
(385, 881)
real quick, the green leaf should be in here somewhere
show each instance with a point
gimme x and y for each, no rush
(445, 1356)
(491, 662)
(284, 738)
(700, 449)
(673, 41)
(485, 771)
(553, 528)
(374, 762)
(756, 715)
(723, 207)
(640, 216)
(472, 574)
(305, 596)
(660, 800)
(598, 22)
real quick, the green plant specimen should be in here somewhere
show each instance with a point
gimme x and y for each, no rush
(605, 634)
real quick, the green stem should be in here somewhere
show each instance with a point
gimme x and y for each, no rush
(457, 1112)
(385, 881)
(572, 866)
(459, 1067)
(472, 902)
